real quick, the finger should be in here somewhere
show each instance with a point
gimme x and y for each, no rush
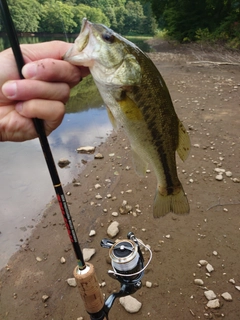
(34, 89)
(52, 112)
(52, 70)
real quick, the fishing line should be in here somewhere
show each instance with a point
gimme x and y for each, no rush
(38, 124)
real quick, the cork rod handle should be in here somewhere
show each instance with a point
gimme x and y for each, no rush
(89, 288)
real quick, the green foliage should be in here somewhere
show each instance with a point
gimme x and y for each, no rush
(65, 16)
(25, 14)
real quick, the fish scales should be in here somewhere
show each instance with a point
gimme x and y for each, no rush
(138, 100)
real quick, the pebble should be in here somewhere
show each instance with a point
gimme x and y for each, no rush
(168, 236)
(237, 287)
(226, 296)
(199, 282)
(213, 304)
(115, 214)
(87, 149)
(215, 253)
(209, 268)
(88, 253)
(98, 156)
(232, 281)
(130, 304)
(97, 186)
(39, 259)
(113, 229)
(72, 282)
(62, 260)
(148, 284)
(228, 173)
(210, 295)
(92, 233)
(203, 262)
(63, 163)
(219, 177)
(45, 298)
(98, 197)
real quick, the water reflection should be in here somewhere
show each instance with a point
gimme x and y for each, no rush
(26, 187)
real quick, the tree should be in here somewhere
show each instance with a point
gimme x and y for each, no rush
(57, 17)
(25, 15)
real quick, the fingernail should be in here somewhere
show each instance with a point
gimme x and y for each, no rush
(19, 106)
(29, 71)
(9, 89)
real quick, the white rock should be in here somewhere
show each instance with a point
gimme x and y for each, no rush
(130, 304)
(237, 287)
(97, 186)
(210, 295)
(219, 177)
(88, 253)
(215, 253)
(113, 229)
(92, 233)
(62, 260)
(168, 236)
(72, 282)
(115, 214)
(98, 156)
(148, 284)
(213, 304)
(98, 197)
(219, 170)
(209, 268)
(228, 173)
(45, 298)
(203, 262)
(199, 282)
(38, 259)
(226, 296)
(232, 281)
(87, 149)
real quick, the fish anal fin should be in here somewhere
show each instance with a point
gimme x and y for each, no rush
(184, 143)
(140, 165)
(176, 203)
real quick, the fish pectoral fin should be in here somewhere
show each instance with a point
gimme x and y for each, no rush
(176, 202)
(129, 73)
(140, 165)
(184, 143)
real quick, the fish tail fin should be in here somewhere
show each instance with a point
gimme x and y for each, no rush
(176, 203)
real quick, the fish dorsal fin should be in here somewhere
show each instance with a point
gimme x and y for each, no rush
(184, 143)
(140, 165)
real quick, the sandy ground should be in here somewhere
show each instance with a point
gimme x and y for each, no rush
(206, 98)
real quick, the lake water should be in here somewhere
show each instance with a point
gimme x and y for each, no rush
(26, 187)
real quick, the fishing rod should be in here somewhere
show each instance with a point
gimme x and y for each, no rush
(126, 256)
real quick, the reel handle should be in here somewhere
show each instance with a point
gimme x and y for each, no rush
(89, 289)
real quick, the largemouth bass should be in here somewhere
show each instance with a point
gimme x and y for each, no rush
(138, 100)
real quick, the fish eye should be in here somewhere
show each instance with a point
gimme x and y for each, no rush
(108, 37)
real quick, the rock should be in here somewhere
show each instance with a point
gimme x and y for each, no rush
(98, 197)
(199, 282)
(203, 262)
(209, 268)
(215, 253)
(45, 298)
(237, 287)
(62, 260)
(72, 282)
(219, 177)
(148, 284)
(98, 156)
(113, 229)
(97, 186)
(39, 259)
(130, 304)
(88, 253)
(213, 304)
(232, 281)
(226, 296)
(87, 149)
(63, 163)
(210, 295)
(92, 233)
(115, 214)
(228, 173)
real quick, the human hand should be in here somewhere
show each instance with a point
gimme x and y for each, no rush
(41, 94)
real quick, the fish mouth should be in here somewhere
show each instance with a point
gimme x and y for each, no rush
(75, 54)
